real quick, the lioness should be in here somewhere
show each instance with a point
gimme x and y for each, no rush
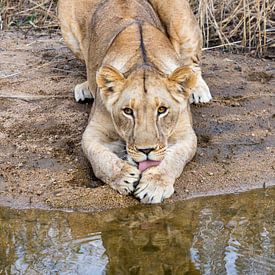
(142, 59)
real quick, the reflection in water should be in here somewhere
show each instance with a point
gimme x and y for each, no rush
(217, 235)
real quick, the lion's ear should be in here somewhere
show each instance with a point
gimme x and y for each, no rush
(183, 79)
(109, 79)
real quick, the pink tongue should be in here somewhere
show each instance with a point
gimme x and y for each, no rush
(142, 166)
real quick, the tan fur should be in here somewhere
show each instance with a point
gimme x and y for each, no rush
(141, 55)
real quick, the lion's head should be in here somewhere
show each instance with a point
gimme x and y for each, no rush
(145, 106)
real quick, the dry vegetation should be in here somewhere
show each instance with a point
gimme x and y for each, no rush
(233, 24)
(245, 24)
(28, 14)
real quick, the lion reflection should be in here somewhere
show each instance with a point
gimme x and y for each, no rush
(218, 235)
(147, 241)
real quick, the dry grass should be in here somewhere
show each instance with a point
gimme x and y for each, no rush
(245, 24)
(28, 14)
(241, 24)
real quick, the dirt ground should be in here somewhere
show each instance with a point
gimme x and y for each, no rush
(41, 161)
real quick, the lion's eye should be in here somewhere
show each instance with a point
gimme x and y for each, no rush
(128, 111)
(162, 110)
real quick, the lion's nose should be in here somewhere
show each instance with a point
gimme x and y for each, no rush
(146, 151)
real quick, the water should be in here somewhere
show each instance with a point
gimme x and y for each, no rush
(231, 234)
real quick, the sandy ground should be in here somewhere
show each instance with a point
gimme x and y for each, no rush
(41, 161)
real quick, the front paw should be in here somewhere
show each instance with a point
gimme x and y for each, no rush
(201, 92)
(82, 92)
(126, 182)
(154, 186)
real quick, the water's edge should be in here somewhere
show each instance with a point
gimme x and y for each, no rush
(21, 204)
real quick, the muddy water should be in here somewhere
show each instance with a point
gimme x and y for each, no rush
(232, 234)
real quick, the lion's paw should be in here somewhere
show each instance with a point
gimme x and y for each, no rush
(127, 181)
(154, 188)
(201, 93)
(82, 92)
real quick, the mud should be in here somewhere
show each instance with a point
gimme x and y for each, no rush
(41, 161)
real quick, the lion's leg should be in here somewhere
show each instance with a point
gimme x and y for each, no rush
(68, 34)
(72, 33)
(107, 166)
(185, 35)
(82, 92)
(157, 183)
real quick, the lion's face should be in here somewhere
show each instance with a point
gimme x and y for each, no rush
(145, 107)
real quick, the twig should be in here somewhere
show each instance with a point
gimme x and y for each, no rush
(241, 98)
(10, 75)
(223, 45)
(68, 71)
(34, 97)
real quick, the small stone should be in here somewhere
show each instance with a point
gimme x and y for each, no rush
(238, 68)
